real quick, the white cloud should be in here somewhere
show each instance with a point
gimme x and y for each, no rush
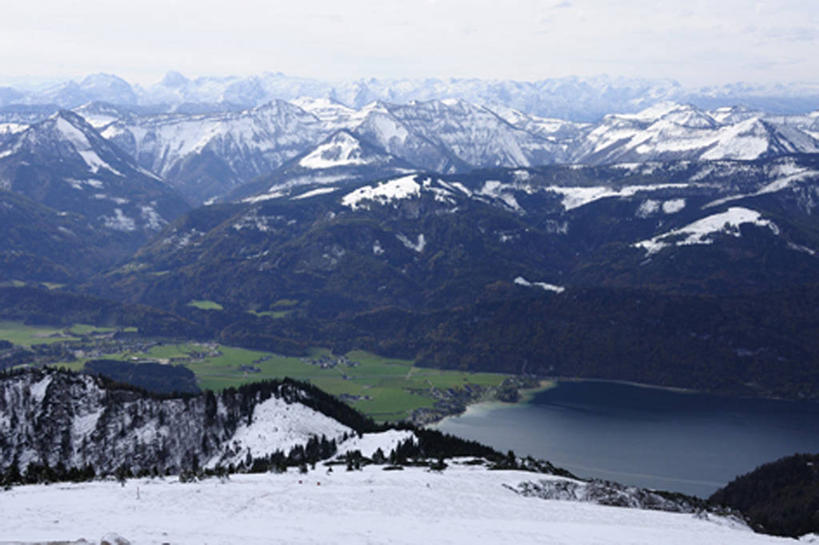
(697, 42)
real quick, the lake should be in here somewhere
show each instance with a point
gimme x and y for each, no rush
(657, 438)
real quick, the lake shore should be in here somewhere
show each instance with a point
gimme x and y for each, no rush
(526, 395)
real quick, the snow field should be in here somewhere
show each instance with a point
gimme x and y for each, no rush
(400, 188)
(462, 505)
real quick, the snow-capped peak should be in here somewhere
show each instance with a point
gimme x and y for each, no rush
(66, 134)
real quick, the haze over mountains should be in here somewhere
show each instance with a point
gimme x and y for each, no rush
(579, 99)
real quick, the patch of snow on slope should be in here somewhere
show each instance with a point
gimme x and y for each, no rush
(384, 193)
(647, 208)
(444, 193)
(673, 206)
(727, 222)
(521, 281)
(745, 140)
(368, 443)
(252, 220)
(314, 193)
(415, 246)
(83, 425)
(119, 221)
(652, 113)
(153, 220)
(38, 390)
(575, 197)
(278, 425)
(461, 505)
(12, 128)
(274, 194)
(79, 184)
(457, 185)
(801, 248)
(117, 200)
(500, 191)
(95, 163)
(343, 150)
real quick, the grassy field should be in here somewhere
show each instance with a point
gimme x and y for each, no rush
(204, 304)
(25, 335)
(275, 314)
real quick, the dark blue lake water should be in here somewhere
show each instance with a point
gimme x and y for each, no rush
(687, 442)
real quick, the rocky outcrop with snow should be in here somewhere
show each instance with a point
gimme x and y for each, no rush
(605, 493)
(53, 418)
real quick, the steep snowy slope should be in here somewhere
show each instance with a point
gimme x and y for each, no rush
(460, 505)
(460, 132)
(207, 155)
(64, 163)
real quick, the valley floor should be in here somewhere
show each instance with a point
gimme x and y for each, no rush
(463, 504)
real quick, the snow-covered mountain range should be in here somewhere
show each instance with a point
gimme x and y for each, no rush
(209, 155)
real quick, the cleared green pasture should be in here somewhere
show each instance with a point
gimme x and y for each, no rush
(26, 335)
(204, 304)
(275, 314)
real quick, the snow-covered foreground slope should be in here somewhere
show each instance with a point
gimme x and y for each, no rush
(460, 505)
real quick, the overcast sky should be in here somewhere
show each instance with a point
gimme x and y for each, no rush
(696, 42)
